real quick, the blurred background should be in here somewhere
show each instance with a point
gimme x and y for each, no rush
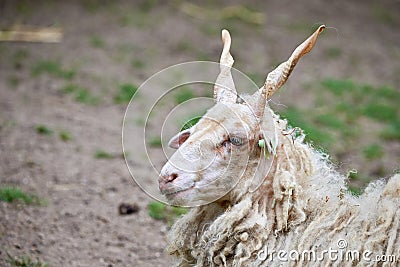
(69, 68)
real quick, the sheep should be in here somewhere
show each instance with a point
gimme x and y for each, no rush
(261, 196)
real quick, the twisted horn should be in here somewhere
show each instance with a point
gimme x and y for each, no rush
(279, 76)
(224, 88)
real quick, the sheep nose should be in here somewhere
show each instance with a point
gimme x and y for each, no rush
(171, 177)
(164, 180)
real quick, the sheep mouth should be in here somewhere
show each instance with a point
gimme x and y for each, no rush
(175, 191)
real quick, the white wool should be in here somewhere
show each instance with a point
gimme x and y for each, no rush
(303, 204)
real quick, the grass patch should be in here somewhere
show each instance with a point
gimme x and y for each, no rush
(84, 96)
(81, 94)
(380, 112)
(190, 123)
(313, 134)
(169, 214)
(339, 87)
(388, 93)
(43, 129)
(351, 111)
(125, 93)
(373, 151)
(101, 154)
(14, 194)
(355, 191)
(65, 135)
(155, 141)
(392, 132)
(331, 121)
(52, 68)
(183, 95)
(25, 261)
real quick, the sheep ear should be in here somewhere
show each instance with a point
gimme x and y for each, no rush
(268, 146)
(268, 143)
(179, 139)
(268, 132)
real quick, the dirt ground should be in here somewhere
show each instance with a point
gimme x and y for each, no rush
(109, 43)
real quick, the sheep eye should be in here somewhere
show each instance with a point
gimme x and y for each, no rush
(237, 141)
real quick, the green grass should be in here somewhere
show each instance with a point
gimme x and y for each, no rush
(97, 42)
(352, 174)
(65, 135)
(25, 261)
(355, 191)
(339, 87)
(14, 194)
(373, 151)
(353, 107)
(43, 129)
(392, 131)
(53, 68)
(101, 154)
(84, 96)
(190, 123)
(169, 214)
(183, 95)
(313, 133)
(330, 121)
(125, 93)
(388, 93)
(351, 112)
(342, 114)
(380, 112)
(81, 94)
(155, 141)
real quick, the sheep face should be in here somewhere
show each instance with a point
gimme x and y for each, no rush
(215, 153)
(212, 155)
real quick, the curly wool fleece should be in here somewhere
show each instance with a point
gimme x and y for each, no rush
(302, 205)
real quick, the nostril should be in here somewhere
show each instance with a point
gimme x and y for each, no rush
(172, 177)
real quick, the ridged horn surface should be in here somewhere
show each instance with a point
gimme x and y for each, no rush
(279, 76)
(224, 88)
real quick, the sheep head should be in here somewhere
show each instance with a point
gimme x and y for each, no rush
(215, 155)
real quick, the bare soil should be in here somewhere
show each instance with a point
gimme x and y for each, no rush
(108, 43)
